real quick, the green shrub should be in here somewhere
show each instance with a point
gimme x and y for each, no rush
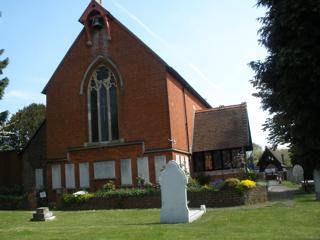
(193, 185)
(109, 186)
(124, 193)
(14, 190)
(231, 183)
(69, 199)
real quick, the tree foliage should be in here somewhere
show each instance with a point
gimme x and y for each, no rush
(3, 84)
(23, 125)
(288, 80)
(256, 152)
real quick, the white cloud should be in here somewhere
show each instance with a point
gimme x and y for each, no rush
(18, 94)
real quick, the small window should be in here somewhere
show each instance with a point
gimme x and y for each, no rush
(227, 161)
(208, 161)
(217, 160)
(104, 170)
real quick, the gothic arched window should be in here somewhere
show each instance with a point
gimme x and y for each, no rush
(103, 106)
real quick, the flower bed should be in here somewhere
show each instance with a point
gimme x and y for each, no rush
(229, 193)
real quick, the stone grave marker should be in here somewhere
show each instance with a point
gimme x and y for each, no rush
(174, 209)
(43, 214)
(298, 173)
(316, 178)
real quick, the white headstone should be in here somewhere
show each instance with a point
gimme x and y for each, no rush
(126, 173)
(297, 173)
(143, 168)
(174, 209)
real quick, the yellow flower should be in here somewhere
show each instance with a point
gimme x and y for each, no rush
(248, 183)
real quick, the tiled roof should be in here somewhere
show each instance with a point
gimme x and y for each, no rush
(222, 128)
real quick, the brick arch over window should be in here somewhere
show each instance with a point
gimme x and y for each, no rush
(102, 93)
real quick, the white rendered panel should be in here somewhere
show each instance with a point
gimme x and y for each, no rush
(70, 177)
(104, 170)
(84, 175)
(56, 176)
(39, 178)
(187, 166)
(126, 172)
(143, 168)
(160, 163)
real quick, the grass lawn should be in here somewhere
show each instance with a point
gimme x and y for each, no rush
(297, 219)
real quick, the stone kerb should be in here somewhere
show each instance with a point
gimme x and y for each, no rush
(174, 208)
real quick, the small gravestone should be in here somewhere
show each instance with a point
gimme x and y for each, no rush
(43, 214)
(316, 178)
(174, 209)
(298, 173)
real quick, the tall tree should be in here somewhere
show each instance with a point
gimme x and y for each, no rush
(24, 123)
(3, 84)
(3, 114)
(288, 80)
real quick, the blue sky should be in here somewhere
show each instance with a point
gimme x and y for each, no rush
(209, 42)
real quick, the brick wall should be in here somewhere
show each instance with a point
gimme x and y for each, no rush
(142, 100)
(10, 168)
(225, 198)
(182, 106)
(33, 157)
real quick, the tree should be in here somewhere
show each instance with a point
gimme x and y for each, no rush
(23, 125)
(288, 79)
(3, 84)
(256, 152)
(3, 114)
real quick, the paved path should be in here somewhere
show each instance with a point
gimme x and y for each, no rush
(278, 192)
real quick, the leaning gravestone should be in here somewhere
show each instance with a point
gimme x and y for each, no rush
(43, 214)
(174, 209)
(316, 178)
(298, 173)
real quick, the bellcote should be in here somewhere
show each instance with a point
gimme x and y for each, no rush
(95, 18)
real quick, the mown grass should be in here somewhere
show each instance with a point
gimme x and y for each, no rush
(296, 219)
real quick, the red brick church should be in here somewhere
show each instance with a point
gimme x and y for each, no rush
(116, 110)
